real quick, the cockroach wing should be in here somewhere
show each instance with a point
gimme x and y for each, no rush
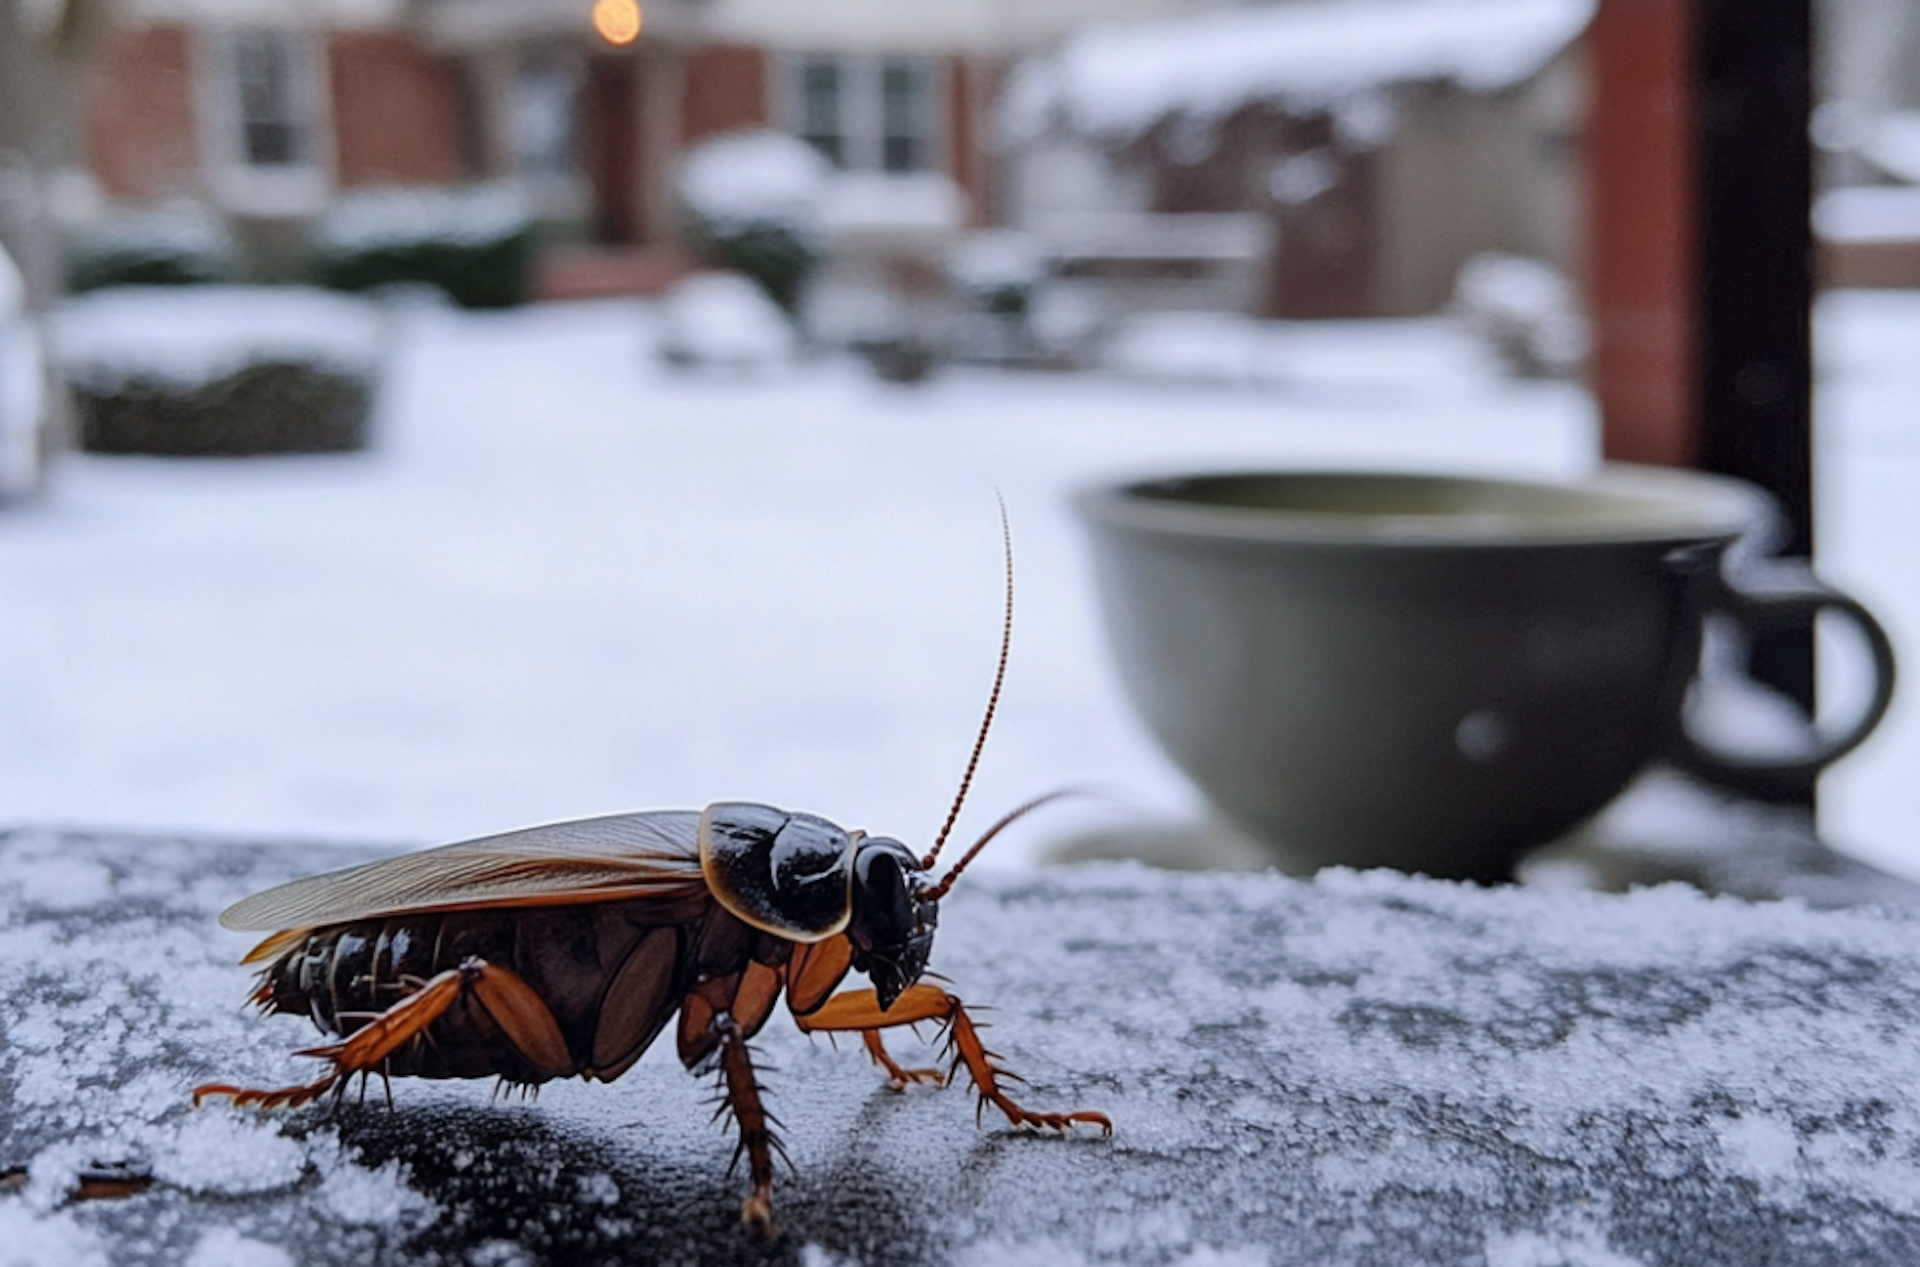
(652, 854)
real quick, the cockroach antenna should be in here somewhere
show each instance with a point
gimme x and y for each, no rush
(939, 890)
(993, 702)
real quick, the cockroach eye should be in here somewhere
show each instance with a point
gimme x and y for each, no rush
(883, 903)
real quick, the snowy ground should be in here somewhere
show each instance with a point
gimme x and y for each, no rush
(567, 581)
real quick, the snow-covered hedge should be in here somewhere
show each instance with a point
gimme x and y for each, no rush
(219, 369)
(752, 203)
(23, 403)
(474, 244)
(174, 247)
(999, 270)
(1526, 311)
(724, 321)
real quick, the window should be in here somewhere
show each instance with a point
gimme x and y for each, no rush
(868, 113)
(267, 151)
(271, 95)
(540, 108)
(906, 116)
(822, 104)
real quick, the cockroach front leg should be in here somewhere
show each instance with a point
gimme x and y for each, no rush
(898, 1076)
(514, 1006)
(860, 1010)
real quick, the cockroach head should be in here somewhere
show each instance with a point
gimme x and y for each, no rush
(893, 917)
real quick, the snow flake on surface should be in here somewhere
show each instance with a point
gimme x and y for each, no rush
(226, 1247)
(226, 1154)
(30, 1237)
(1541, 1249)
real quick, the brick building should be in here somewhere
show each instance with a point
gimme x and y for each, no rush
(266, 111)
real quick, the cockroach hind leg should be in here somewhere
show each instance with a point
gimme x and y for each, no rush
(756, 1215)
(758, 1140)
(282, 1098)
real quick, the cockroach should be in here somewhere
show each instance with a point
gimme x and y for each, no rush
(565, 950)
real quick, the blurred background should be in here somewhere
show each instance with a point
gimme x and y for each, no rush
(425, 417)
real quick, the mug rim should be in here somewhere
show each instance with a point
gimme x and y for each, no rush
(1619, 504)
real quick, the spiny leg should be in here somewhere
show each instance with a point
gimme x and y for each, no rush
(513, 1004)
(740, 1096)
(860, 1010)
(898, 1077)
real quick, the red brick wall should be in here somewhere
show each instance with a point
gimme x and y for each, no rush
(726, 89)
(974, 84)
(139, 126)
(396, 111)
(1641, 208)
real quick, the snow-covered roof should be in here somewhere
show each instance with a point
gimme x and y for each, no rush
(1117, 80)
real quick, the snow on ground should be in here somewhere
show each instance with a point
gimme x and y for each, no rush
(568, 581)
(1867, 497)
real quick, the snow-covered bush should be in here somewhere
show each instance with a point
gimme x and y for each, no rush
(1526, 311)
(24, 434)
(475, 244)
(752, 204)
(219, 369)
(178, 246)
(998, 276)
(999, 270)
(724, 321)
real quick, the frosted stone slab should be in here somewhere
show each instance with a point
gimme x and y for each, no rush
(1361, 1068)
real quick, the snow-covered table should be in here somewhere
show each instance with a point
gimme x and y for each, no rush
(1361, 1068)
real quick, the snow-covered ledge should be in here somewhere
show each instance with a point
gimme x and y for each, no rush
(1361, 1068)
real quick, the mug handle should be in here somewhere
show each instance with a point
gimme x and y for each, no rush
(1776, 596)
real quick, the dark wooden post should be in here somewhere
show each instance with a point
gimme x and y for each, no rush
(1699, 265)
(1753, 94)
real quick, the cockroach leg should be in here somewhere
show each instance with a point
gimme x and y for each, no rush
(522, 1017)
(860, 1010)
(897, 1077)
(740, 1091)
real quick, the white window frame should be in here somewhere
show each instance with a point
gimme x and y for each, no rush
(237, 184)
(861, 125)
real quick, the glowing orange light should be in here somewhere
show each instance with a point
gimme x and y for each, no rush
(618, 21)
